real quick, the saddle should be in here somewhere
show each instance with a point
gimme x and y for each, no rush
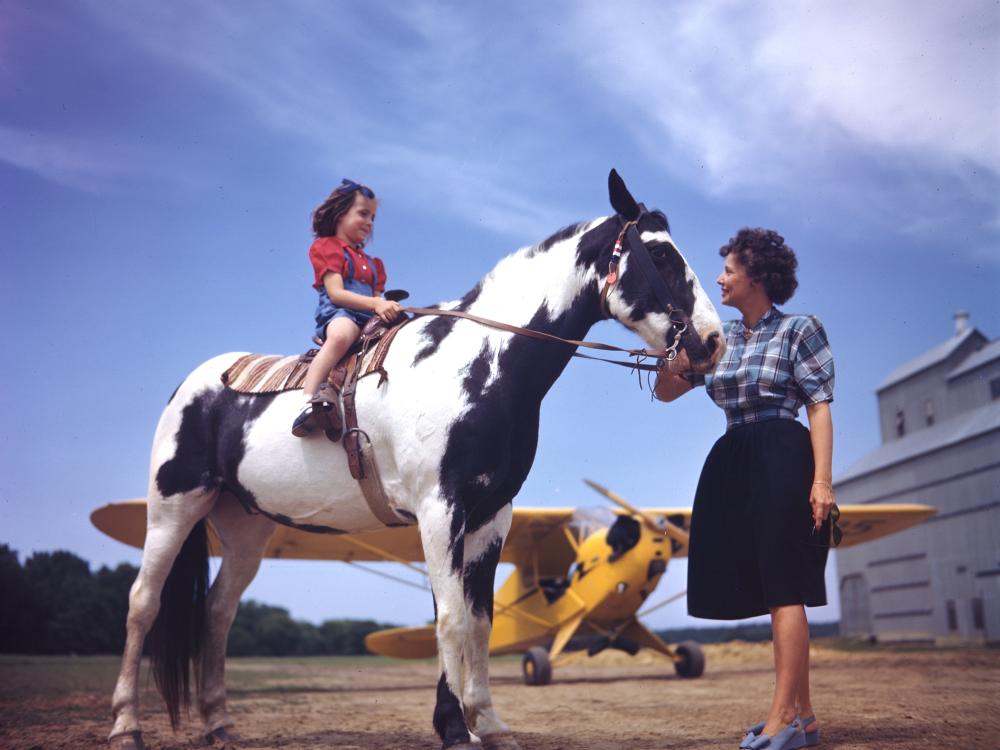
(262, 374)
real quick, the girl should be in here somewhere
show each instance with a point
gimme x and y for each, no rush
(350, 284)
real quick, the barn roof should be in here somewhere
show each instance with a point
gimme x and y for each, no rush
(984, 356)
(925, 440)
(929, 358)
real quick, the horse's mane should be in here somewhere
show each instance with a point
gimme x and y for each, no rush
(562, 234)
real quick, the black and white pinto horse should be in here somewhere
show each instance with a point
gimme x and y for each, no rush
(454, 429)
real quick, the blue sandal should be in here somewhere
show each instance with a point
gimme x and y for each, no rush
(789, 738)
(810, 739)
(751, 735)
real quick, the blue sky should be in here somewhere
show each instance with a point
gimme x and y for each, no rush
(159, 162)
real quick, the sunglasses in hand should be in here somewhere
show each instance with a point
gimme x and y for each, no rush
(836, 533)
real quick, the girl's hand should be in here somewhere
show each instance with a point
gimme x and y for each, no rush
(821, 498)
(386, 309)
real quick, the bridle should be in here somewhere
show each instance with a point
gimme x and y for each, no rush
(629, 240)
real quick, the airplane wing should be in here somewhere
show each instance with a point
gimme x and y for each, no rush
(860, 523)
(126, 522)
(863, 523)
(404, 643)
(533, 530)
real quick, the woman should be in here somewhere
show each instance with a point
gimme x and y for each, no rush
(759, 529)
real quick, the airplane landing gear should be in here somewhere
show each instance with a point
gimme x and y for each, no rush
(536, 667)
(691, 659)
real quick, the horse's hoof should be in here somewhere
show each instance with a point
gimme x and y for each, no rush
(127, 741)
(223, 736)
(500, 741)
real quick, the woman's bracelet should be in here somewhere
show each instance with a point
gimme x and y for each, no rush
(825, 484)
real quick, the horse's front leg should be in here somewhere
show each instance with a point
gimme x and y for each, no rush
(243, 539)
(442, 529)
(482, 554)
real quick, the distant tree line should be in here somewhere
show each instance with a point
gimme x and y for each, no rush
(749, 633)
(53, 604)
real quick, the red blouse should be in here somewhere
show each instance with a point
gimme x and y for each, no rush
(327, 255)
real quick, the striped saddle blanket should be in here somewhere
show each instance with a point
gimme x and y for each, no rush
(268, 373)
(273, 373)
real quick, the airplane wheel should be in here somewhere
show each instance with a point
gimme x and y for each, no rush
(536, 667)
(692, 659)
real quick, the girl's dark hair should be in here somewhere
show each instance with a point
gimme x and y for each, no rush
(768, 260)
(328, 213)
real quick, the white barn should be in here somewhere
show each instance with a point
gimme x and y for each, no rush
(938, 582)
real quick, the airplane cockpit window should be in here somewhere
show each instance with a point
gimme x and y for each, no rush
(583, 524)
(586, 521)
(622, 531)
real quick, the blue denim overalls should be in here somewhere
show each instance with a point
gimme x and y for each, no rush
(327, 311)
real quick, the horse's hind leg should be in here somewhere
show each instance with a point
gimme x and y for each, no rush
(482, 553)
(169, 522)
(244, 538)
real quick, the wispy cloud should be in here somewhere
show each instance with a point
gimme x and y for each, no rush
(65, 159)
(731, 95)
(367, 90)
(726, 97)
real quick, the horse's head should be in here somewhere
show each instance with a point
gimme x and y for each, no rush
(653, 290)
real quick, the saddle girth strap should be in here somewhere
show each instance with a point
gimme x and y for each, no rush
(357, 444)
(351, 420)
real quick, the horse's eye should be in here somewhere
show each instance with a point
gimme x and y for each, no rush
(658, 252)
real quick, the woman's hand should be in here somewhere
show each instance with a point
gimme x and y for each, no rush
(669, 383)
(822, 500)
(386, 309)
(821, 437)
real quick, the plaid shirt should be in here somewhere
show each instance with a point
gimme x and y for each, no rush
(785, 362)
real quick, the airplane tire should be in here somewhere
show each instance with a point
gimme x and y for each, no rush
(692, 659)
(536, 667)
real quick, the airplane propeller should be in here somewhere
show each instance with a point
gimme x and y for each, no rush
(656, 525)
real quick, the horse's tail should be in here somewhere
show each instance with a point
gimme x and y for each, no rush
(178, 632)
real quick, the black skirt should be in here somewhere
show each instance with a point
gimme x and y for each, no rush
(751, 543)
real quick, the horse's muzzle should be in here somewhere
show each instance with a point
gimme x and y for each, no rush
(705, 355)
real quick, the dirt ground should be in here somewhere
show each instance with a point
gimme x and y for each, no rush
(865, 698)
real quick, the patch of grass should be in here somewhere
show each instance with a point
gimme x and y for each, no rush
(26, 677)
(23, 678)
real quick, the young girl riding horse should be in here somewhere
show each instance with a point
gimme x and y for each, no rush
(350, 284)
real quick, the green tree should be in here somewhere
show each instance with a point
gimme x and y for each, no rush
(347, 636)
(69, 616)
(16, 604)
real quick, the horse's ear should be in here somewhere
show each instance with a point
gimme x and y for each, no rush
(621, 199)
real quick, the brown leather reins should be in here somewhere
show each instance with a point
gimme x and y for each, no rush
(531, 333)
(542, 336)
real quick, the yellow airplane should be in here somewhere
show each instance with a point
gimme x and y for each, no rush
(580, 579)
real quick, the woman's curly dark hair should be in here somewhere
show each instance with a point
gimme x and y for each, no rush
(768, 260)
(328, 213)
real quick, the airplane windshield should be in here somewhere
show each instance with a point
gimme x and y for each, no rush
(586, 521)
